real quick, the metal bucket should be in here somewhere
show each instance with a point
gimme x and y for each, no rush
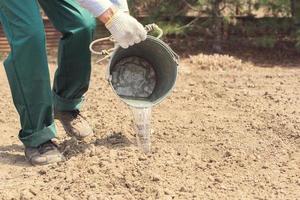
(144, 74)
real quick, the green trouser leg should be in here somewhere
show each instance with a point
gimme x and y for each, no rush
(74, 58)
(27, 70)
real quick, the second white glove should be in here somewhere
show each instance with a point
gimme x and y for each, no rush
(126, 30)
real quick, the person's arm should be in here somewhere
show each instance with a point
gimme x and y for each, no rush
(121, 5)
(108, 14)
(96, 7)
(125, 29)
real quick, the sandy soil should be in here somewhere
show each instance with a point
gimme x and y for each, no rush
(230, 130)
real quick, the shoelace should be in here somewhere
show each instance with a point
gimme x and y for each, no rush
(75, 115)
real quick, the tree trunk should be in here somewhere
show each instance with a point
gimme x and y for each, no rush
(296, 11)
(249, 7)
(237, 9)
(293, 8)
(217, 24)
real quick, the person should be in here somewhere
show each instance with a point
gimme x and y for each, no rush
(27, 67)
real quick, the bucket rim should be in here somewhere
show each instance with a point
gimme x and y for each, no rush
(175, 57)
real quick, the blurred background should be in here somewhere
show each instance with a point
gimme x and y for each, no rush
(213, 25)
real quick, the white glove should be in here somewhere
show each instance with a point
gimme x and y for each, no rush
(126, 30)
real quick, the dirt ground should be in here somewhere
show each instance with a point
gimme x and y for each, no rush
(230, 130)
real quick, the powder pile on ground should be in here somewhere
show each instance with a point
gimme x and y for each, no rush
(216, 62)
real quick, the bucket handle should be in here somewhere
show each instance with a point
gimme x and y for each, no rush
(106, 53)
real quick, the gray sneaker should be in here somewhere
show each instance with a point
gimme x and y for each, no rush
(46, 153)
(74, 123)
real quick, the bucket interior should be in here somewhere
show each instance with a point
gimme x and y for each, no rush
(158, 66)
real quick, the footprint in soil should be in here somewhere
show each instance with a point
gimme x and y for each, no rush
(73, 147)
(13, 155)
(114, 140)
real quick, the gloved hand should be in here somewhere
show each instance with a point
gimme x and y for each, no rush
(126, 30)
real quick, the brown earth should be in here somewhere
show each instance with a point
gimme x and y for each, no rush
(230, 130)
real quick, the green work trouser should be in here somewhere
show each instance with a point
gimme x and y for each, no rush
(27, 66)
